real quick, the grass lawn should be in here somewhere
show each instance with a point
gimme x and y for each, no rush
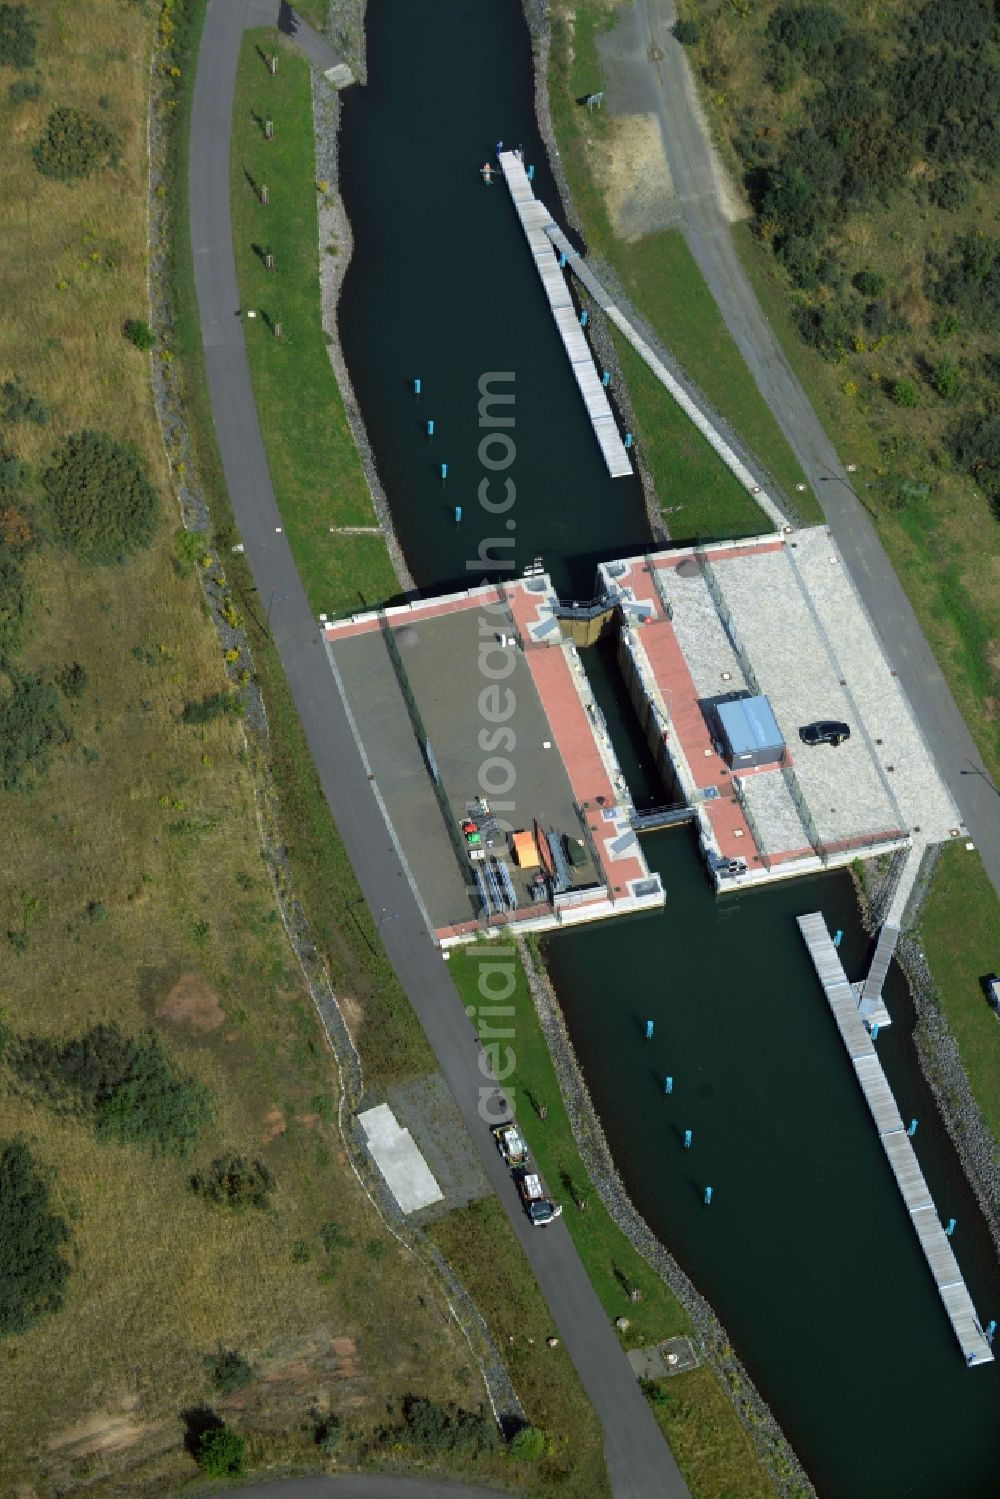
(480, 1244)
(960, 930)
(667, 288)
(314, 463)
(708, 1439)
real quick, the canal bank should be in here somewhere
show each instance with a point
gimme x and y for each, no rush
(564, 514)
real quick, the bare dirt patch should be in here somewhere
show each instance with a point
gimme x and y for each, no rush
(632, 169)
(353, 1014)
(275, 1124)
(192, 999)
(102, 1432)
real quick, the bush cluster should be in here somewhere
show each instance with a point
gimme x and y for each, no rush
(435, 1429)
(30, 724)
(33, 1267)
(214, 705)
(102, 504)
(227, 1370)
(20, 405)
(126, 1085)
(18, 37)
(235, 1181)
(74, 145)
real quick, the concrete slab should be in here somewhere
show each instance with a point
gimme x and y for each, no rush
(406, 1173)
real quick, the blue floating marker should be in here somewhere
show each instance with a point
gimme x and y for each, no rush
(950, 1228)
(838, 937)
(708, 1196)
(531, 174)
(668, 1085)
(912, 1129)
(584, 318)
(458, 514)
(688, 1137)
(649, 1030)
(628, 439)
(444, 472)
(430, 427)
(416, 387)
(606, 379)
(991, 1328)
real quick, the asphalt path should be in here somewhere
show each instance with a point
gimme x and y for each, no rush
(363, 1486)
(660, 66)
(640, 1463)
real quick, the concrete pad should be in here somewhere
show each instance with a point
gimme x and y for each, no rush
(406, 1173)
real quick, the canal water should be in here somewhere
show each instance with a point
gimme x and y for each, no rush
(806, 1251)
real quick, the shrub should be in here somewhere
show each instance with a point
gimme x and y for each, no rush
(688, 33)
(125, 1084)
(23, 91)
(13, 601)
(903, 393)
(33, 1270)
(436, 1429)
(870, 283)
(975, 446)
(234, 1181)
(139, 333)
(102, 503)
(968, 279)
(951, 191)
(74, 145)
(20, 405)
(227, 1370)
(528, 1444)
(221, 1452)
(946, 378)
(30, 726)
(215, 705)
(72, 680)
(17, 37)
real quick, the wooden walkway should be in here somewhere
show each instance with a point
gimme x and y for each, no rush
(535, 217)
(871, 990)
(895, 1141)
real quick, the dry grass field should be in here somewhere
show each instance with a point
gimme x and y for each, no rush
(133, 882)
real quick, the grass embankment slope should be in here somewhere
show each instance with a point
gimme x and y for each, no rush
(664, 283)
(317, 473)
(705, 1434)
(132, 875)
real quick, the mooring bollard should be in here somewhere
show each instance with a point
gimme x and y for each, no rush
(668, 1085)
(875, 1031)
(688, 1137)
(562, 260)
(708, 1196)
(416, 387)
(628, 439)
(458, 514)
(584, 318)
(838, 937)
(649, 1030)
(950, 1229)
(912, 1129)
(430, 427)
(531, 174)
(444, 472)
(606, 379)
(991, 1328)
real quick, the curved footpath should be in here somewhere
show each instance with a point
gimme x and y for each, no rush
(654, 56)
(640, 1463)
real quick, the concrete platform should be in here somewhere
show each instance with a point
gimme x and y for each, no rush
(406, 1173)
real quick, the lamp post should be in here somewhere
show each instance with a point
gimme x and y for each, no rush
(977, 771)
(385, 915)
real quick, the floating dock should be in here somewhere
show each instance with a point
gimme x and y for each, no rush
(895, 1140)
(535, 220)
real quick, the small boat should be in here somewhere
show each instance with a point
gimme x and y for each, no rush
(486, 172)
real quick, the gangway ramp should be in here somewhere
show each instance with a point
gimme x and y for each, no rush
(872, 1005)
(536, 222)
(896, 1142)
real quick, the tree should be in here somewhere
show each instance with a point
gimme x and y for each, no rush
(74, 145)
(221, 1452)
(139, 333)
(17, 37)
(33, 1270)
(528, 1444)
(102, 502)
(30, 725)
(688, 33)
(870, 283)
(235, 1181)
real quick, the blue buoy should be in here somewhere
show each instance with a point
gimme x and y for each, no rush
(838, 938)
(912, 1129)
(991, 1328)
(444, 472)
(628, 439)
(531, 174)
(708, 1196)
(950, 1229)
(416, 387)
(606, 379)
(458, 514)
(430, 427)
(649, 1030)
(668, 1085)
(584, 318)
(688, 1137)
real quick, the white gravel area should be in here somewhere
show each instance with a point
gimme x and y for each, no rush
(700, 634)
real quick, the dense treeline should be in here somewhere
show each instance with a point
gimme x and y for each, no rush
(852, 122)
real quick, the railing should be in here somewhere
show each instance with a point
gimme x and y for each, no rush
(662, 817)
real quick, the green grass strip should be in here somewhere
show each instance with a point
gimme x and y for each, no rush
(315, 466)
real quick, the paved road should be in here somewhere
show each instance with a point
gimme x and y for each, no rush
(708, 236)
(363, 1486)
(639, 1461)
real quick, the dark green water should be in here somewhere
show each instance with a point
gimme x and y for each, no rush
(806, 1252)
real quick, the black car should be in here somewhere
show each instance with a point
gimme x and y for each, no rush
(826, 731)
